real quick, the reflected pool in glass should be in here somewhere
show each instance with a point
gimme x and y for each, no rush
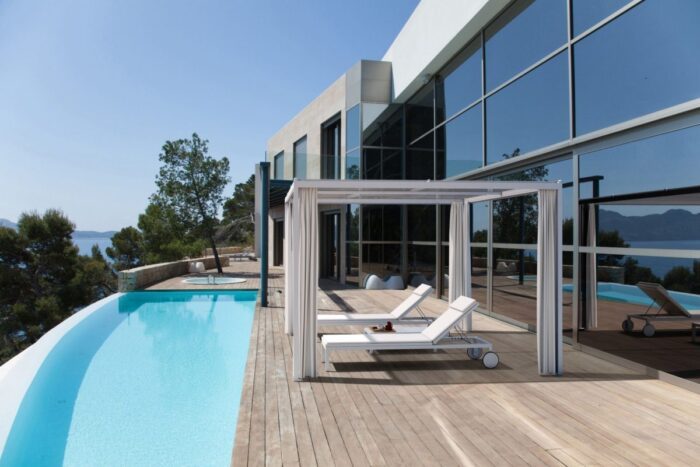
(153, 378)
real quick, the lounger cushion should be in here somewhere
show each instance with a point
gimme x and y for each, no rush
(417, 296)
(367, 340)
(456, 311)
(350, 318)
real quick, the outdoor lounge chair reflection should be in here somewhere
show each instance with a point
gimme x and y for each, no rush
(434, 336)
(674, 311)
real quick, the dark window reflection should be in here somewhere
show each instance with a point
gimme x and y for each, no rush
(381, 223)
(420, 160)
(641, 62)
(531, 113)
(371, 164)
(419, 113)
(421, 265)
(521, 36)
(587, 13)
(421, 223)
(460, 83)
(387, 129)
(392, 164)
(670, 160)
(459, 144)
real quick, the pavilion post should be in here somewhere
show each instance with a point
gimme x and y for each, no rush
(549, 282)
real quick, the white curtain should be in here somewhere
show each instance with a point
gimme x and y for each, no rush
(305, 273)
(591, 273)
(288, 268)
(549, 313)
(459, 280)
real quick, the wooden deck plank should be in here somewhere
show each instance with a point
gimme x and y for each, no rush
(424, 408)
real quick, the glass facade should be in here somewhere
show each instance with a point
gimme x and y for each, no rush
(508, 107)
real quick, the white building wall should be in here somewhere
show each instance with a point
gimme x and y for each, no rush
(434, 33)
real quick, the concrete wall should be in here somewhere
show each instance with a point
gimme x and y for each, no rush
(308, 123)
(434, 33)
(138, 278)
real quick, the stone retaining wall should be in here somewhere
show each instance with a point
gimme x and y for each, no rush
(141, 277)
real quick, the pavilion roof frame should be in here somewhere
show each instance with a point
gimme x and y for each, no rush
(301, 230)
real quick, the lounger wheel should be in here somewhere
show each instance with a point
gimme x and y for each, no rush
(648, 330)
(627, 325)
(474, 353)
(490, 360)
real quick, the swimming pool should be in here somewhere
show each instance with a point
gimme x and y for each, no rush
(146, 378)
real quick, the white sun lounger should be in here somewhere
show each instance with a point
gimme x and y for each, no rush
(674, 311)
(366, 319)
(435, 336)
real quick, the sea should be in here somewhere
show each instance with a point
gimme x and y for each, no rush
(85, 244)
(661, 265)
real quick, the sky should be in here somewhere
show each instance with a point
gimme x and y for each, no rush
(91, 89)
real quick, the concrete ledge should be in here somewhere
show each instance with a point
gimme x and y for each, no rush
(141, 277)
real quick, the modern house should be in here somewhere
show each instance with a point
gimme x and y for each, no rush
(602, 96)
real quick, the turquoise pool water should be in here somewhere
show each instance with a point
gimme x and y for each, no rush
(153, 378)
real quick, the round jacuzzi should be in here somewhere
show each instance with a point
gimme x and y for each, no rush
(211, 280)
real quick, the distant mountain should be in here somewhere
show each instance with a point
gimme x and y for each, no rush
(93, 234)
(674, 224)
(8, 224)
(76, 234)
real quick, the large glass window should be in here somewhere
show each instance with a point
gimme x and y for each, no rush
(352, 128)
(300, 159)
(643, 61)
(279, 166)
(531, 113)
(459, 144)
(586, 13)
(421, 265)
(419, 114)
(670, 160)
(524, 33)
(460, 83)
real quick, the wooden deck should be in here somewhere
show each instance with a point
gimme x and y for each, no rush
(425, 408)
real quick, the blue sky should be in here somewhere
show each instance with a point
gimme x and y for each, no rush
(91, 89)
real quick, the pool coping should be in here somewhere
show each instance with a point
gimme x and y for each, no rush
(15, 379)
